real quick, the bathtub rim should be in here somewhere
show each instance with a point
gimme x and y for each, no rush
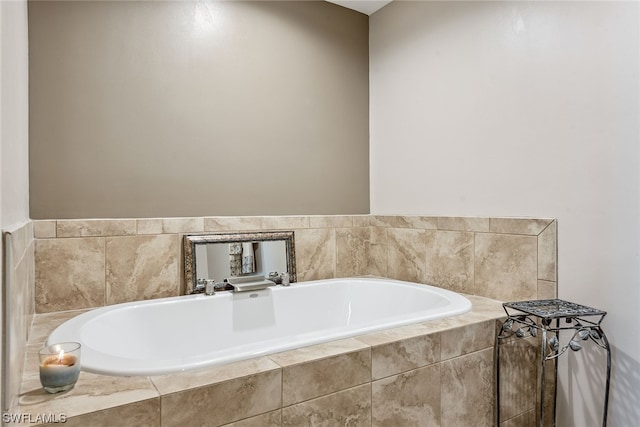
(137, 367)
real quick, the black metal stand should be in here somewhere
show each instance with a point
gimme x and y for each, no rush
(526, 318)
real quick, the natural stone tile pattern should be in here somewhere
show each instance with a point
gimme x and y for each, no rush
(489, 308)
(19, 307)
(223, 402)
(407, 354)
(506, 266)
(408, 399)
(91, 393)
(547, 290)
(144, 413)
(468, 339)
(450, 259)
(96, 227)
(526, 226)
(141, 267)
(284, 222)
(463, 224)
(394, 335)
(70, 273)
(44, 324)
(325, 376)
(377, 261)
(183, 225)
(406, 254)
(333, 221)
(548, 253)
(467, 390)
(528, 419)
(232, 223)
(172, 383)
(270, 419)
(421, 222)
(170, 225)
(351, 407)
(317, 352)
(315, 253)
(149, 226)
(21, 238)
(362, 220)
(352, 251)
(518, 364)
(44, 229)
(398, 221)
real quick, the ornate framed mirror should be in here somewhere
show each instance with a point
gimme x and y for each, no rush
(219, 256)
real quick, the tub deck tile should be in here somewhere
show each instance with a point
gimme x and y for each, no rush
(172, 383)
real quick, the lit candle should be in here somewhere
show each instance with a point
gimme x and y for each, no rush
(59, 366)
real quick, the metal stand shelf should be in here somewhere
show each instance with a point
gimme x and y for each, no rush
(526, 318)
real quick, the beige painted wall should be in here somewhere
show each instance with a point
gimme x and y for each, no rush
(524, 108)
(149, 109)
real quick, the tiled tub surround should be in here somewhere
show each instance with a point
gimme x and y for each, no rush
(82, 264)
(91, 263)
(19, 305)
(438, 373)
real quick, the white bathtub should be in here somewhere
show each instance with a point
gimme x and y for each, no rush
(189, 332)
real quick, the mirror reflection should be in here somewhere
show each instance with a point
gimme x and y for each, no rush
(221, 256)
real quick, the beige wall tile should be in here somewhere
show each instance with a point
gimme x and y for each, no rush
(315, 253)
(408, 399)
(518, 376)
(377, 263)
(450, 260)
(149, 226)
(141, 267)
(352, 251)
(506, 266)
(309, 380)
(170, 225)
(18, 312)
(350, 407)
(528, 419)
(143, 413)
(44, 229)
(400, 221)
(284, 222)
(70, 273)
(547, 290)
(467, 339)
(223, 402)
(182, 225)
(527, 226)
(270, 419)
(406, 254)
(96, 227)
(333, 221)
(467, 390)
(422, 222)
(548, 253)
(405, 355)
(362, 220)
(463, 224)
(232, 223)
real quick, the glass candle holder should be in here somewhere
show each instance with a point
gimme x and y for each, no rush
(59, 366)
